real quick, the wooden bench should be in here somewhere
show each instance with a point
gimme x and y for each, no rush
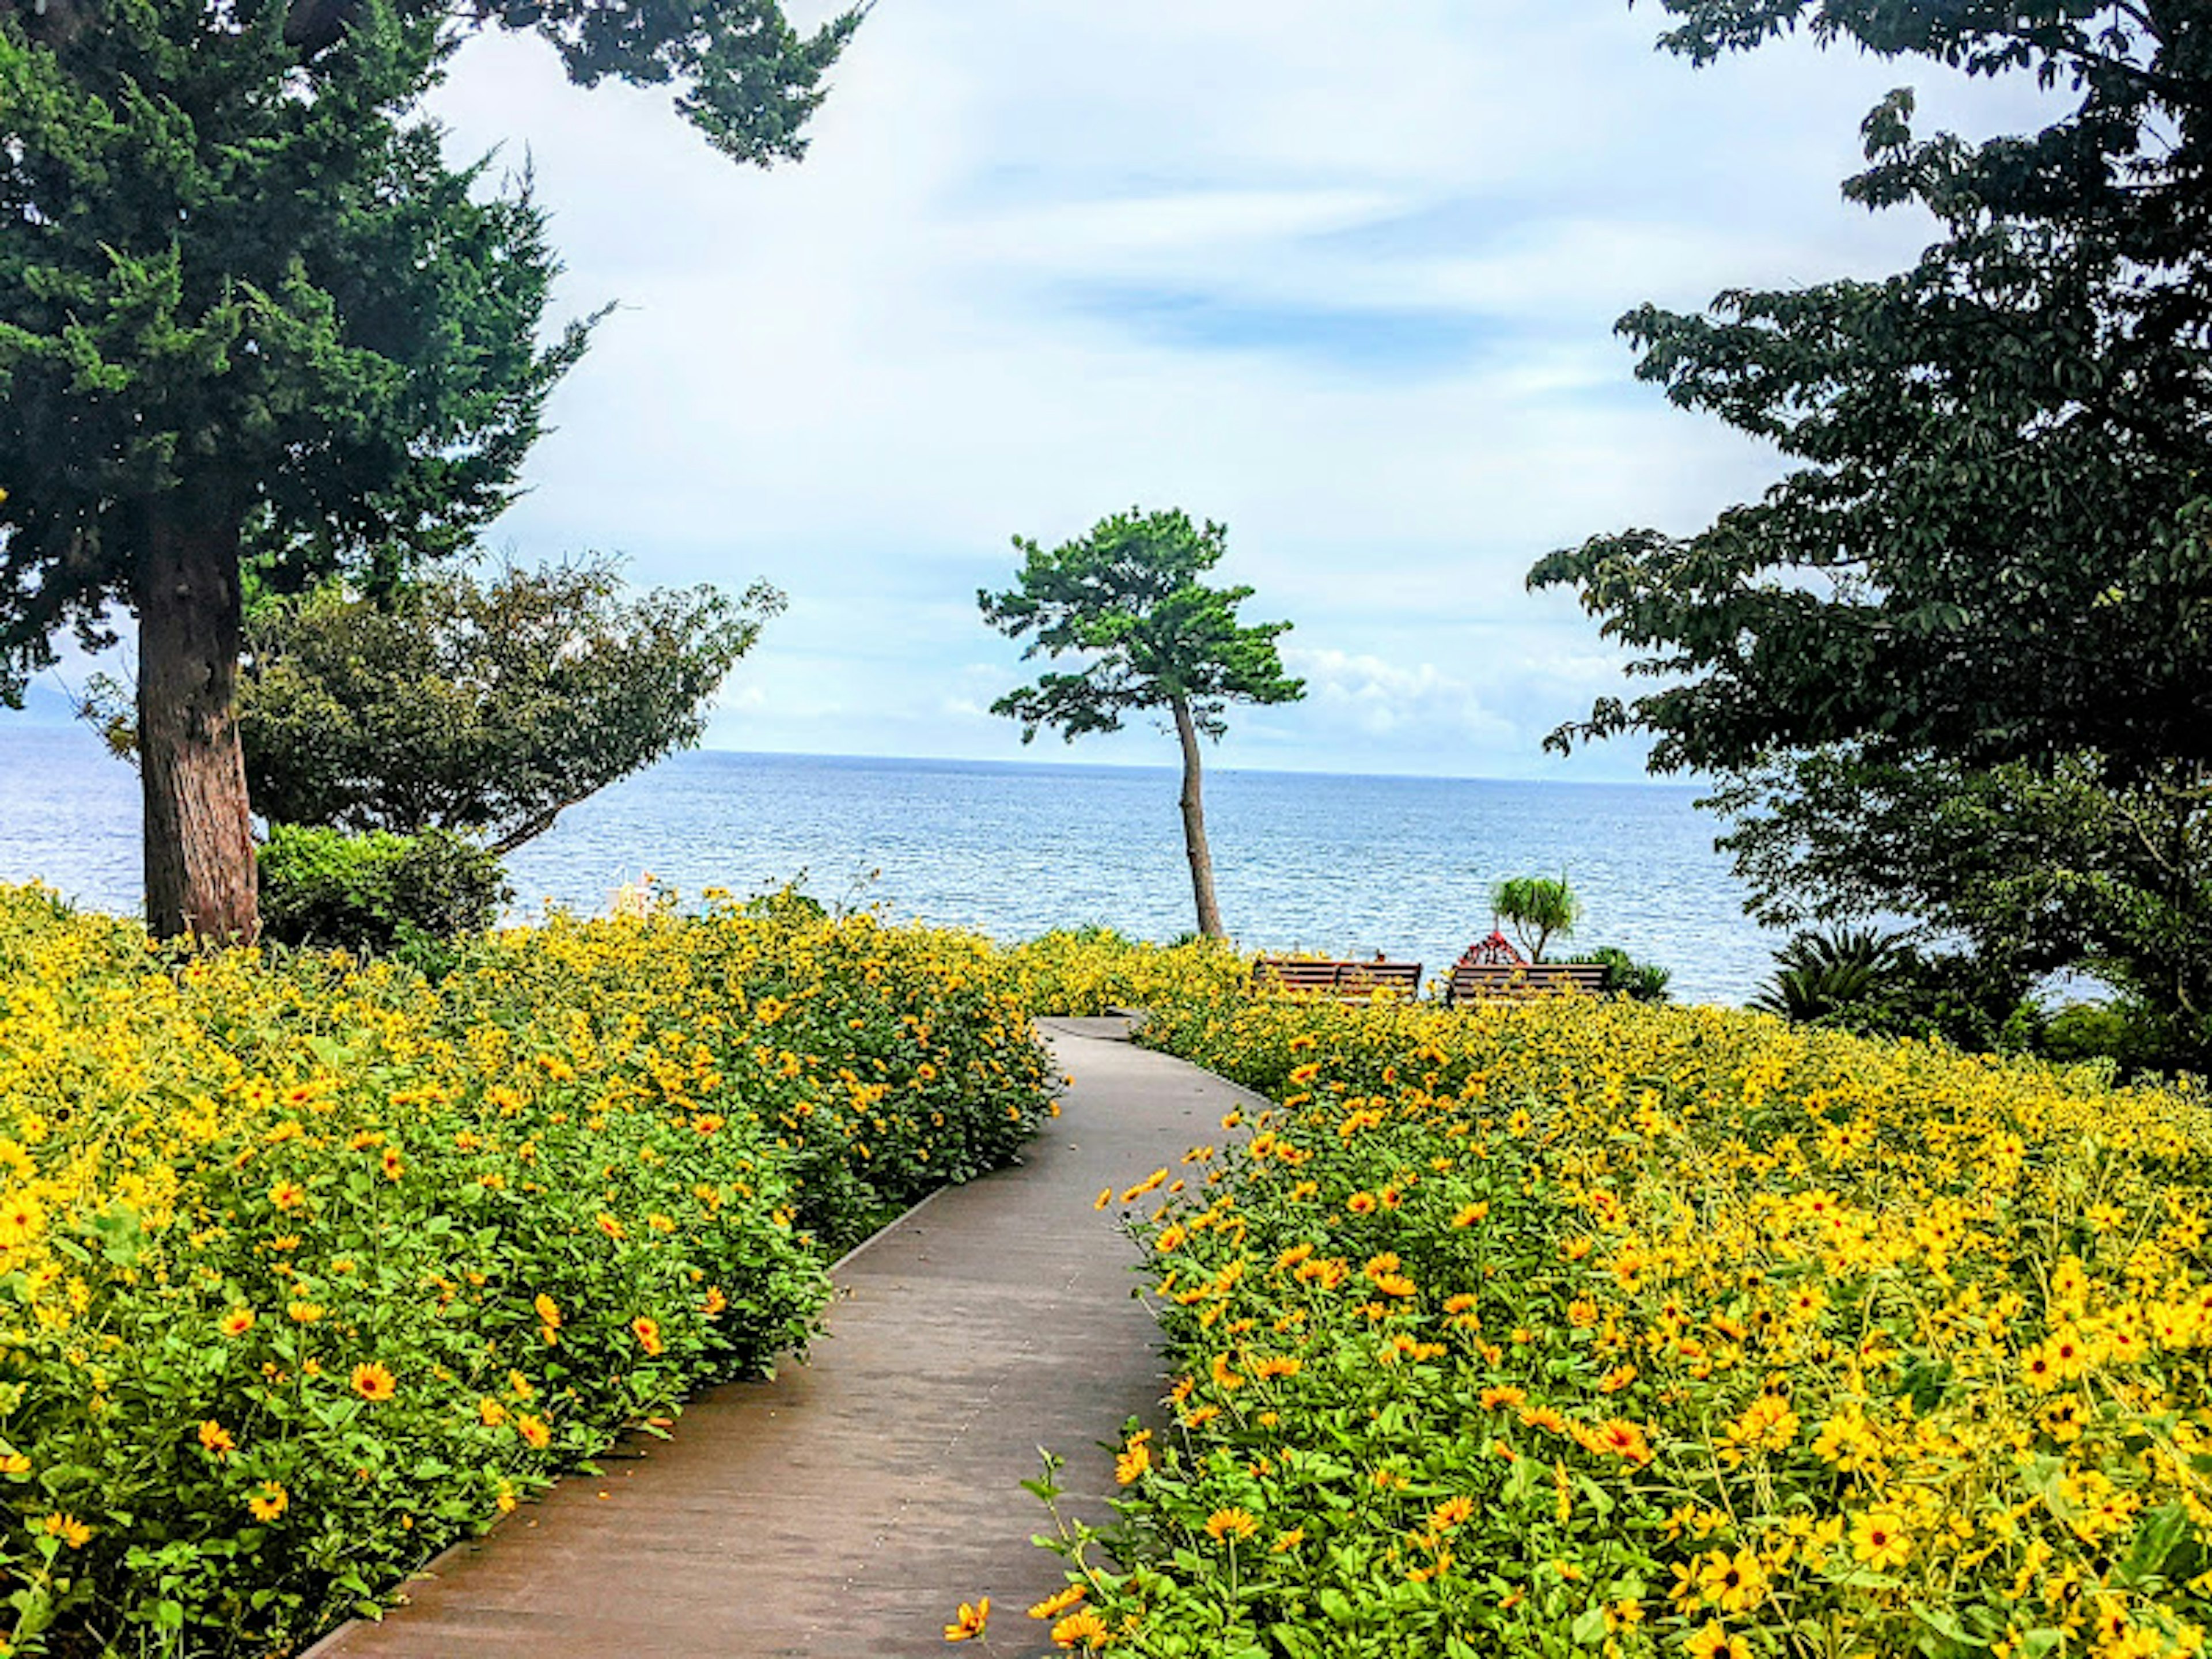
(1484, 982)
(1347, 981)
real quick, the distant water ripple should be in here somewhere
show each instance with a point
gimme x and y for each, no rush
(1344, 865)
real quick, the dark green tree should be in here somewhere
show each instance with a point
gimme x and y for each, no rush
(2035, 868)
(1993, 551)
(1127, 603)
(485, 708)
(245, 307)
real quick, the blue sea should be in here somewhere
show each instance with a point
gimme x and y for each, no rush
(1346, 865)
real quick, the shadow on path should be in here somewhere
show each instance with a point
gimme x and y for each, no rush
(846, 1507)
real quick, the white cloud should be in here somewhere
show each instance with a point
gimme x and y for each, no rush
(1376, 698)
(1343, 278)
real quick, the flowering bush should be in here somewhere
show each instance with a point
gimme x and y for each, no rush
(307, 1269)
(1092, 970)
(1584, 1325)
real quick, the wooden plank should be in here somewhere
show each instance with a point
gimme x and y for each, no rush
(1476, 981)
(1347, 981)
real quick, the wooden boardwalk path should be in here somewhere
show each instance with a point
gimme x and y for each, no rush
(847, 1507)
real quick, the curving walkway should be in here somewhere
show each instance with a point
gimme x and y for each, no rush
(848, 1506)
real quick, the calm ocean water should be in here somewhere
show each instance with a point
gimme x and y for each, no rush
(1342, 865)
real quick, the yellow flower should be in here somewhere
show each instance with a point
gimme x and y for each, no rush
(268, 1501)
(534, 1432)
(67, 1527)
(1129, 1465)
(490, 1412)
(1059, 1603)
(1449, 1513)
(647, 1332)
(1230, 1523)
(549, 1311)
(1083, 1629)
(288, 1194)
(1732, 1583)
(215, 1439)
(1879, 1539)
(373, 1382)
(21, 1220)
(1714, 1643)
(968, 1624)
(236, 1322)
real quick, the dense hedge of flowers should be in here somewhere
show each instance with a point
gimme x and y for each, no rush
(308, 1267)
(1582, 1326)
(1095, 970)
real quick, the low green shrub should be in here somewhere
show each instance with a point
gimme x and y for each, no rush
(376, 892)
(1624, 976)
(1873, 984)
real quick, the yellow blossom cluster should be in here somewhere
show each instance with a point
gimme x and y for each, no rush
(312, 1265)
(1718, 1337)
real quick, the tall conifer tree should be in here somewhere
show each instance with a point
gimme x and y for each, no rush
(244, 306)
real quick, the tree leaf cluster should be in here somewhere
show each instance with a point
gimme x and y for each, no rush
(1954, 666)
(2034, 869)
(237, 295)
(1536, 907)
(1126, 602)
(1994, 546)
(483, 708)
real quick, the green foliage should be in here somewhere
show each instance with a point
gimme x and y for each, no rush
(1979, 600)
(257, 298)
(485, 708)
(1820, 976)
(1994, 549)
(378, 891)
(1126, 601)
(2038, 869)
(1879, 985)
(1536, 907)
(2110, 1031)
(1624, 976)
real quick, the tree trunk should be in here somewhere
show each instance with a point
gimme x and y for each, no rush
(1193, 826)
(200, 877)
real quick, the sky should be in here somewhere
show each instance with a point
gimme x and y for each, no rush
(1343, 278)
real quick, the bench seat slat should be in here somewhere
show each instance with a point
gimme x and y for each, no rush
(1347, 980)
(1475, 981)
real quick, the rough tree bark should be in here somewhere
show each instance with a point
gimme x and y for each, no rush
(1194, 825)
(200, 875)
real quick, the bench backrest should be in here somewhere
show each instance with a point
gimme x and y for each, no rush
(1472, 981)
(1340, 979)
